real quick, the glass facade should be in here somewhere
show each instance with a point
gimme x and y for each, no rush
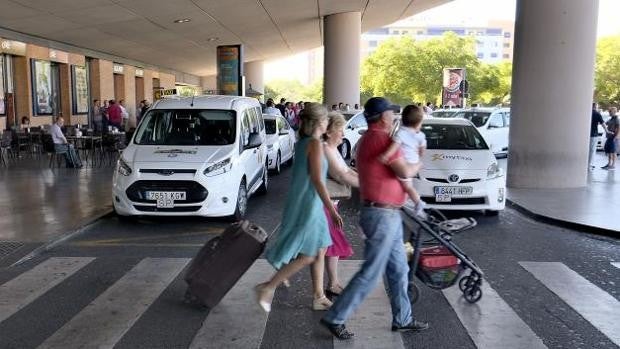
(45, 88)
(2, 86)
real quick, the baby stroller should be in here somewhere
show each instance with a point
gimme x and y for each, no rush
(434, 259)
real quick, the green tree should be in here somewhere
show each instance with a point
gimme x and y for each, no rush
(294, 91)
(406, 70)
(607, 71)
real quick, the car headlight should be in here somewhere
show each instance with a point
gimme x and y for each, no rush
(218, 168)
(123, 168)
(494, 171)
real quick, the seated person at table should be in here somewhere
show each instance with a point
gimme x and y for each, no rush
(25, 125)
(61, 144)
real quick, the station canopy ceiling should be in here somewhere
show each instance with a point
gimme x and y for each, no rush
(145, 30)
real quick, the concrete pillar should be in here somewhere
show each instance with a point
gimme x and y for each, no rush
(342, 33)
(553, 77)
(254, 75)
(130, 93)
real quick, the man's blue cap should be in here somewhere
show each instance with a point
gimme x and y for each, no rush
(377, 105)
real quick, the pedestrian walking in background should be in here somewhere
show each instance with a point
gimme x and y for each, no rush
(304, 234)
(342, 173)
(281, 106)
(382, 196)
(115, 114)
(597, 119)
(613, 138)
(105, 117)
(271, 110)
(124, 115)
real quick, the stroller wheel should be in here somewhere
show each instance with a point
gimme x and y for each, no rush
(414, 292)
(472, 294)
(466, 282)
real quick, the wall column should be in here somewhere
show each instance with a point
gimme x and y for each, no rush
(342, 35)
(552, 86)
(254, 75)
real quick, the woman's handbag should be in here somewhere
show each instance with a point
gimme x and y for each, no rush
(336, 190)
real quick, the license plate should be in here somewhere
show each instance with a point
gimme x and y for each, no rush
(444, 194)
(165, 199)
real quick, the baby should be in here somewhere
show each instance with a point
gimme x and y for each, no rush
(412, 141)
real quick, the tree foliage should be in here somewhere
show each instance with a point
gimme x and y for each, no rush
(294, 91)
(406, 70)
(607, 71)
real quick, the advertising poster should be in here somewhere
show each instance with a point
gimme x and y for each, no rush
(230, 70)
(451, 92)
(42, 78)
(80, 90)
(2, 104)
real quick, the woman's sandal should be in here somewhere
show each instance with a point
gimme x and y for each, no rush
(333, 291)
(337, 330)
(321, 303)
(264, 296)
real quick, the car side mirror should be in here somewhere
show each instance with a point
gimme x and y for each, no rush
(254, 141)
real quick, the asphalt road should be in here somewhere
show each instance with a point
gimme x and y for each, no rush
(497, 244)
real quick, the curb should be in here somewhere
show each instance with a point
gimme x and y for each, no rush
(562, 223)
(69, 235)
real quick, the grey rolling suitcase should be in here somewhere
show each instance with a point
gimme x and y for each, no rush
(222, 261)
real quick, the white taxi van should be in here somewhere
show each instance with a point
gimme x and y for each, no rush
(281, 141)
(198, 156)
(459, 171)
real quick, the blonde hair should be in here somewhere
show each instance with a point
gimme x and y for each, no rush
(310, 117)
(336, 120)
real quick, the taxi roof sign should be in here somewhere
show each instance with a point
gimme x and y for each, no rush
(165, 93)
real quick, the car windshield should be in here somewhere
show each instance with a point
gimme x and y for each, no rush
(443, 114)
(478, 118)
(270, 126)
(453, 137)
(187, 127)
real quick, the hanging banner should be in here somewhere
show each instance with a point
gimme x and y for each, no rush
(452, 94)
(230, 70)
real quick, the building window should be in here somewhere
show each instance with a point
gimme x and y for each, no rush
(396, 32)
(420, 32)
(405, 32)
(2, 104)
(45, 87)
(506, 56)
(372, 43)
(479, 42)
(493, 55)
(480, 33)
(480, 55)
(507, 34)
(79, 82)
(507, 45)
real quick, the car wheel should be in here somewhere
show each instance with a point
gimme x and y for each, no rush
(242, 203)
(263, 187)
(345, 149)
(278, 168)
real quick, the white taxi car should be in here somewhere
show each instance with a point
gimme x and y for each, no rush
(200, 156)
(280, 141)
(353, 130)
(459, 171)
(492, 123)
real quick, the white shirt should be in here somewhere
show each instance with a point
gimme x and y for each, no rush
(57, 135)
(272, 111)
(124, 112)
(410, 142)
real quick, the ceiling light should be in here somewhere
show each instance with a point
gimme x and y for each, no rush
(213, 39)
(182, 20)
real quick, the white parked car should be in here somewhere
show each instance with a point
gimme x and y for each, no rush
(493, 124)
(443, 113)
(459, 172)
(280, 141)
(199, 156)
(352, 134)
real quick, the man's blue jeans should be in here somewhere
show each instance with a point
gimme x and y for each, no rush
(384, 253)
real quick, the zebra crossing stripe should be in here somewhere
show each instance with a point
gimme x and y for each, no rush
(616, 264)
(237, 322)
(491, 322)
(597, 306)
(22, 290)
(372, 320)
(104, 321)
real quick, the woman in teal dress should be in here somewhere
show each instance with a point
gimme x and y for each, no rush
(304, 234)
